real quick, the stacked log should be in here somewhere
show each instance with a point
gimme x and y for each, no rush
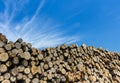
(21, 63)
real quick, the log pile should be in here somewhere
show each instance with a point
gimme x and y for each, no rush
(21, 63)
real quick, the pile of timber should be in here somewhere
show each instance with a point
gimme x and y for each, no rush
(21, 63)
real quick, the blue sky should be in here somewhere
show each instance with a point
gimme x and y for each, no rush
(47, 23)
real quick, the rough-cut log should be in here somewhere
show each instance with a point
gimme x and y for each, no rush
(18, 45)
(35, 80)
(27, 55)
(7, 76)
(6, 81)
(34, 69)
(2, 50)
(8, 47)
(1, 78)
(14, 71)
(19, 76)
(3, 68)
(27, 70)
(13, 79)
(16, 60)
(4, 57)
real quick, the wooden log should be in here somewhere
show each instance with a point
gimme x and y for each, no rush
(39, 70)
(2, 50)
(27, 70)
(29, 45)
(15, 51)
(34, 51)
(20, 51)
(1, 78)
(46, 66)
(7, 76)
(4, 57)
(18, 45)
(25, 77)
(3, 68)
(49, 76)
(6, 81)
(34, 70)
(27, 55)
(16, 60)
(50, 64)
(19, 76)
(25, 63)
(33, 63)
(27, 80)
(13, 79)
(40, 56)
(63, 71)
(8, 47)
(35, 80)
(3, 38)
(20, 68)
(8, 63)
(63, 79)
(30, 75)
(11, 43)
(20, 40)
(14, 71)
(2, 44)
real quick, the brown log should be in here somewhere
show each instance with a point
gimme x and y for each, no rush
(29, 45)
(27, 55)
(35, 80)
(2, 50)
(21, 68)
(16, 60)
(50, 64)
(2, 44)
(14, 71)
(8, 63)
(49, 76)
(40, 56)
(8, 47)
(63, 71)
(15, 51)
(30, 75)
(18, 45)
(46, 66)
(19, 76)
(25, 77)
(1, 78)
(13, 79)
(25, 63)
(19, 40)
(34, 69)
(3, 38)
(7, 76)
(27, 70)
(4, 57)
(33, 63)
(27, 80)
(34, 51)
(3, 68)
(6, 81)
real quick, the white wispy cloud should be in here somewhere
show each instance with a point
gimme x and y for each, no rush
(40, 31)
